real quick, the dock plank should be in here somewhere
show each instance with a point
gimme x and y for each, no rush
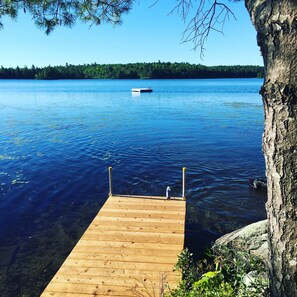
(122, 257)
(129, 249)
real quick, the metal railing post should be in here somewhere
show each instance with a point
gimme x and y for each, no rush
(184, 184)
(110, 180)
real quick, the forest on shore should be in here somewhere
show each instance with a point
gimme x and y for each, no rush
(157, 70)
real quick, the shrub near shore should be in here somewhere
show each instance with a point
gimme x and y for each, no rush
(240, 274)
(237, 265)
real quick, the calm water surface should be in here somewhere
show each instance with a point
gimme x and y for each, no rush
(57, 139)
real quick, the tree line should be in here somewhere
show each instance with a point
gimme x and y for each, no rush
(157, 70)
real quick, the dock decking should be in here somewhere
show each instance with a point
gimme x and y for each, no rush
(129, 249)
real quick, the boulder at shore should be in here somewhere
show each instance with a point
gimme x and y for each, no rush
(251, 238)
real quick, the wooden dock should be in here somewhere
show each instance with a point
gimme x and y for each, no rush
(129, 249)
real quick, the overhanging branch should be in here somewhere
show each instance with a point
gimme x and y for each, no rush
(208, 16)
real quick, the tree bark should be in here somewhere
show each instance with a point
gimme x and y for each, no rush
(276, 25)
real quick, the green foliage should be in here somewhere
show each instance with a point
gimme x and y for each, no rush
(236, 264)
(50, 14)
(258, 288)
(212, 284)
(220, 276)
(159, 70)
(185, 265)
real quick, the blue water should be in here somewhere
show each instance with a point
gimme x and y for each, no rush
(57, 139)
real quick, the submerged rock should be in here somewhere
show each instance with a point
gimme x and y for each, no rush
(258, 184)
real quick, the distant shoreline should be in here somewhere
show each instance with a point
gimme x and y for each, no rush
(158, 70)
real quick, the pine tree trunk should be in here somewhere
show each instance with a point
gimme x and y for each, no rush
(276, 25)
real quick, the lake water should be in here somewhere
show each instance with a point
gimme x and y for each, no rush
(57, 139)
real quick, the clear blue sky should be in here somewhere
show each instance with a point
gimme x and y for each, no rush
(148, 34)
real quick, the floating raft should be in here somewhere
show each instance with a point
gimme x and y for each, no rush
(142, 90)
(129, 249)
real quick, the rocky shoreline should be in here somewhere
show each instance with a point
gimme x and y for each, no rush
(253, 240)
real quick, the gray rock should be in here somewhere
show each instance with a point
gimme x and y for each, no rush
(255, 284)
(252, 239)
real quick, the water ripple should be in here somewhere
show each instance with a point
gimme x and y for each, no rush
(58, 139)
